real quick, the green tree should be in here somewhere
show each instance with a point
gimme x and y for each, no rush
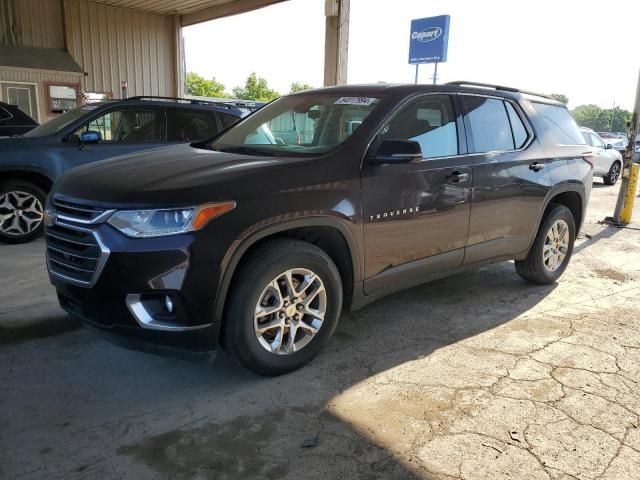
(560, 97)
(201, 87)
(255, 88)
(300, 87)
(601, 119)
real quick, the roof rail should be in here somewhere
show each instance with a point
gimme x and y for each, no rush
(498, 87)
(194, 101)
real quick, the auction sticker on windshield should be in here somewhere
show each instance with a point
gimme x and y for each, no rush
(355, 101)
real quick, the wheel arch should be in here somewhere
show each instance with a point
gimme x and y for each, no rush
(33, 176)
(329, 233)
(571, 197)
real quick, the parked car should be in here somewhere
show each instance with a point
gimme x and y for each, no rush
(14, 121)
(618, 144)
(31, 163)
(258, 246)
(607, 160)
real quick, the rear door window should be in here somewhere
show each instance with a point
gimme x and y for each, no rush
(558, 122)
(190, 125)
(489, 123)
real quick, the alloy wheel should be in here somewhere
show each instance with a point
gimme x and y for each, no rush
(290, 311)
(614, 172)
(556, 245)
(21, 213)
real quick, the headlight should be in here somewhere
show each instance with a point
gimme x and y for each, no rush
(170, 221)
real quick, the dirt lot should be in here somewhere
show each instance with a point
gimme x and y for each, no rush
(477, 376)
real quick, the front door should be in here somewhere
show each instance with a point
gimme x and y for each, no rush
(416, 215)
(23, 95)
(121, 130)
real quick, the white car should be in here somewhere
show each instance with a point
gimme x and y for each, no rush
(608, 161)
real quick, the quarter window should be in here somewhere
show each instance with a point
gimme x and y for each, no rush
(4, 115)
(520, 134)
(558, 122)
(125, 126)
(430, 121)
(489, 122)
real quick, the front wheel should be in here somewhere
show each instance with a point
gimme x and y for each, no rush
(552, 247)
(21, 211)
(283, 307)
(614, 173)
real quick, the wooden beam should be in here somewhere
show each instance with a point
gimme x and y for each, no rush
(224, 10)
(336, 46)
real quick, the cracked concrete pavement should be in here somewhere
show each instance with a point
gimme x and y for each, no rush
(476, 376)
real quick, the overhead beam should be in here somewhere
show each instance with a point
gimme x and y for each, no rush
(224, 10)
(336, 45)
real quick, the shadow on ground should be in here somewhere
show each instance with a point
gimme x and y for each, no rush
(124, 412)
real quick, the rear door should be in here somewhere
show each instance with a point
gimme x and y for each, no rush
(122, 130)
(416, 215)
(510, 178)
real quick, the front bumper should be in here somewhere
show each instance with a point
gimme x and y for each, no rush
(126, 296)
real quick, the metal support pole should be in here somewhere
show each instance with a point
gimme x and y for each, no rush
(435, 73)
(628, 159)
(417, 64)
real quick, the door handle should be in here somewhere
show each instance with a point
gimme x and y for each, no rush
(457, 177)
(536, 167)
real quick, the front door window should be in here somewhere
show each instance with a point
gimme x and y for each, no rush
(126, 126)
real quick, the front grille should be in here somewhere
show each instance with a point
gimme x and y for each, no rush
(74, 254)
(77, 211)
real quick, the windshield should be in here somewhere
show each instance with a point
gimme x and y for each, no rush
(307, 124)
(57, 124)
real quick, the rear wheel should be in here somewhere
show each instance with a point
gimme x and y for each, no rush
(21, 211)
(283, 307)
(552, 247)
(614, 173)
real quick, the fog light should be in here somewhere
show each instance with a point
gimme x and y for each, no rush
(168, 304)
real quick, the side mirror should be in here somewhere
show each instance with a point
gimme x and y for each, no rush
(397, 151)
(90, 137)
(608, 146)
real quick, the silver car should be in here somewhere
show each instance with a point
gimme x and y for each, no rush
(608, 161)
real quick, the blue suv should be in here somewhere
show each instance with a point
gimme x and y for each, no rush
(31, 163)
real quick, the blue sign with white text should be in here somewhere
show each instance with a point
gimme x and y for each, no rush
(429, 39)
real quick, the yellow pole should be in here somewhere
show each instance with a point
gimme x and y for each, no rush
(627, 190)
(630, 195)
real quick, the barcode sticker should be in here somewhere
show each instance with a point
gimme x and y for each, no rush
(355, 101)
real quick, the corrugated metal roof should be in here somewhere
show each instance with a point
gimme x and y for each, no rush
(164, 7)
(38, 58)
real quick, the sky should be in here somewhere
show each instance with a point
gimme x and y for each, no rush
(571, 47)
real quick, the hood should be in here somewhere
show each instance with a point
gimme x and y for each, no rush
(175, 175)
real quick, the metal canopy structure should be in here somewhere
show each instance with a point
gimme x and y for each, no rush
(190, 11)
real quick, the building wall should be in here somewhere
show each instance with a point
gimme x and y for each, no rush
(114, 44)
(38, 77)
(36, 23)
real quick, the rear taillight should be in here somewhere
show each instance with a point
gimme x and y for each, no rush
(589, 158)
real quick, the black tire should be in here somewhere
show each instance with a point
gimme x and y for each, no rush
(262, 266)
(7, 234)
(533, 268)
(612, 177)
